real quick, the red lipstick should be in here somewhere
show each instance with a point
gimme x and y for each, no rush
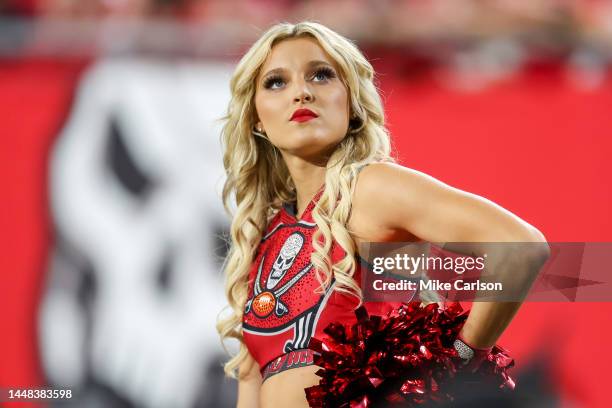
(303, 115)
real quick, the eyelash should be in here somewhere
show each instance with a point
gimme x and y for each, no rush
(328, 72)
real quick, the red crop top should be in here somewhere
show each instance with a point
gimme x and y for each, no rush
(283, 311)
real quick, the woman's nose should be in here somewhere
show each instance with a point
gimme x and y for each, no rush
(303, 93)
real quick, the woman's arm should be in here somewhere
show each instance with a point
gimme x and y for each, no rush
(411, 201)
(249, 383)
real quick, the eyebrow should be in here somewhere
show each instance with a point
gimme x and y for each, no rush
(310, 64)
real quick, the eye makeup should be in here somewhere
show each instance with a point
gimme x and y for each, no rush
(324, 71)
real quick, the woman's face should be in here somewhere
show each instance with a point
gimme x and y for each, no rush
(298, 74)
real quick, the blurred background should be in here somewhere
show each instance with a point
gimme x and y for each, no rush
(111, 221)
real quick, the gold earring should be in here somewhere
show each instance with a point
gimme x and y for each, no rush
(259, 132)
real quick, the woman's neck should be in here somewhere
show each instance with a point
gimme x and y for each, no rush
(308, 178)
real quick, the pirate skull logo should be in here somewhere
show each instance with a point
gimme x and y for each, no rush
(285, 259)
(264, 302)
(283, 299)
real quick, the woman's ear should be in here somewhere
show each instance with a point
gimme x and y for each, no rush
(355, 124)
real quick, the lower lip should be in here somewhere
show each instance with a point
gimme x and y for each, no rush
(303, 118)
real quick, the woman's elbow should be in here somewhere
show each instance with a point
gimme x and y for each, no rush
(534, 248)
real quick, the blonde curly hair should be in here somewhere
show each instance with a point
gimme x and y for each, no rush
(259, 181)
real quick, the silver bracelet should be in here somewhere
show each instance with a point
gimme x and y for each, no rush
(464, 351)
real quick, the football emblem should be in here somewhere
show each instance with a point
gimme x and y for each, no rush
(263, 304)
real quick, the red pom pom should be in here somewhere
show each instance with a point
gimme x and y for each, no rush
(404, 359)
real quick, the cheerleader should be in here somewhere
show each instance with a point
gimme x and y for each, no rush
(310, 178)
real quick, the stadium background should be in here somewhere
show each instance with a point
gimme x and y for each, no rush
(110, 169)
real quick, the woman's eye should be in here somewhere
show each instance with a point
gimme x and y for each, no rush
(323, 74)
(320, 75)
(271, 83)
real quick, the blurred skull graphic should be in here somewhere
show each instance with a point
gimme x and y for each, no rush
(134, 279)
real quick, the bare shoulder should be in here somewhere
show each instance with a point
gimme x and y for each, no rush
(387, 178)
(391, 200)
(378, 199)
(383, 186)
